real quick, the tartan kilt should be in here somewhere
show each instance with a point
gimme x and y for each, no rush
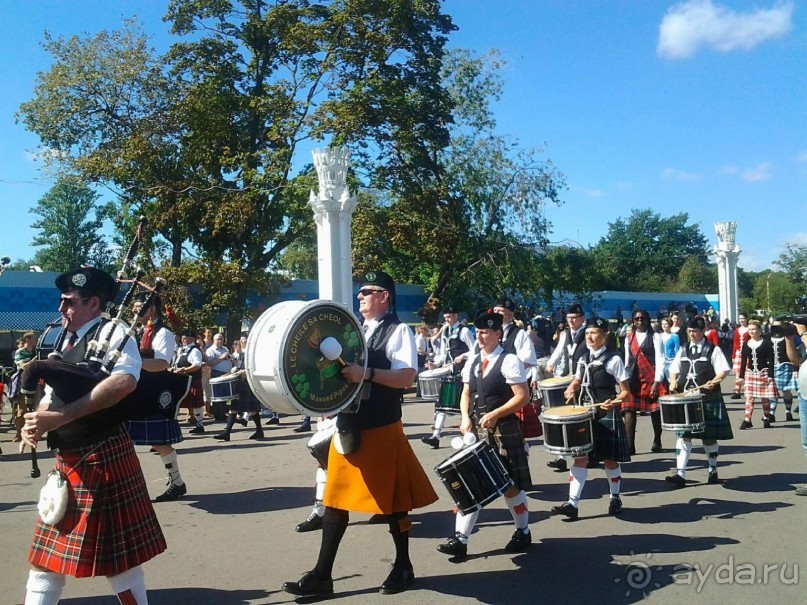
(196, 396)
(110, 525)
(784, 377)
(735, 368)
(506, 436)
(759, 384)
(611, 438)
(246, 402)
(528, 418)
(641, 401)
(154, 430)
(716, 419)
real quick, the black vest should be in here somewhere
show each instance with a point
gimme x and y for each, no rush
(779, 351)
(492, 390)
(91, 428)
(601, 384)
(182, 361)
(383, 405)
(456, 346)
(647, 347)
(509, 343)
(580, 348)
(156, 326)
(704, 371)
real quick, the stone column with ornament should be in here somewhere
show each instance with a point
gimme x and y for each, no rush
(727, 252)
(333, 208)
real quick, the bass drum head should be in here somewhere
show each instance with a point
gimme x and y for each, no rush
(284, 366)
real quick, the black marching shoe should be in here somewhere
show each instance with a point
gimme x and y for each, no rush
(766, 423)
(559, 464)
(257, 434)
(615, 505)
(736, 396)
(676, 480)
(713, 478)
(520, 541)
(310, 585)
(454, 548)
(432, 441)
(566, 509)
(274, 420)
(305, 427)
(223, 436)
(398, 580)
(656, 447)
(313, 523)
(174, 492)
(746, 424)
(789, 417)
(199, 429)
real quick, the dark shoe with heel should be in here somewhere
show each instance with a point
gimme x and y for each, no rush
(313, 523)
(432, 441)
(519, 542)
(559, 464)
(454, 548)
(615, 506)
(398, 580)
(676, 480)
(174, 492)
(310, 585)
(567, 509)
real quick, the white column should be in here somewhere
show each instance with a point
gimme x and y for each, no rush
(333, 210)
(727, 252)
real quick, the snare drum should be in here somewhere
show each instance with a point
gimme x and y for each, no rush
(682, 412)
(320, 444)
(430, 382)
(552, 390)
(474, 477)
(450, 395)
(568, 430)
(225, 388)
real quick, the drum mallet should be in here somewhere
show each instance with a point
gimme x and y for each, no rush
(332, 350)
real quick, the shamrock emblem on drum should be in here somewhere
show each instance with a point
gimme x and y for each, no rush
(351, 337)
(301, 385)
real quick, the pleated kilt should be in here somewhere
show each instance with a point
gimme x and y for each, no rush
(736, 362)
(611, 438)
(382, 476)
(508, 443)
(759, 384)
(642, 402)
(716, 419)
(110, 525)
(154, 430)
(530, 424)
(196, 396)
(784, 377)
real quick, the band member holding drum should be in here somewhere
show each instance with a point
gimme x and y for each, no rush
(563, 361)
(371, 467)
(246, 404)
(156, 344)
(455, 346)
(109, 528)
(702, 366)
(495, 388)
(601, 378)
(644, 361)
(756, 372)
(190, 361)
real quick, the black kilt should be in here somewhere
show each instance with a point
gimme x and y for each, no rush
(506, 436)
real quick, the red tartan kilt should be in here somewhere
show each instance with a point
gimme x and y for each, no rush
(110, 525)
(196, 396)
(530, 425)
(642, 402)
(759, 384)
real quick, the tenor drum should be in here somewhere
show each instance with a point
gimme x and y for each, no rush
(285, 368)
(568, 430)
(225, 388)
(450, 395)
(320, 444)
(552, 390)
(474, 477)
(430, 382)
(682, 412)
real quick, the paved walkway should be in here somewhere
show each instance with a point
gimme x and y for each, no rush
(232, 540)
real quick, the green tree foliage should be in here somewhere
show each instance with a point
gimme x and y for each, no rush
(775, 292)
(694, 276)
(204, 140)
(646, 252)
(793, 261)
(69, 228)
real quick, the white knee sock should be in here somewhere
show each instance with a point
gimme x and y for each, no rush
(170, 463)
(614, 479)
(130, 586)
(319, 494)
(43, 588)
(683, 450)
(577, 479)
(464, 525)
(439, 422)
(711, 454)
(199, 414)
(518, 508)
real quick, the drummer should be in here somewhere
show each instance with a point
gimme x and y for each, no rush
(703, 366)
(504, 391)
(456, 342)
(600, 374)
(246, 404)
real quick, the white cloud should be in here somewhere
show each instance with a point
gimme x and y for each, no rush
(694, 24)
(595, 193)
(729, 170)
(673, 174)
(759, 173)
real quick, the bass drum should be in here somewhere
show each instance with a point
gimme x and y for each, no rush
(285, 367)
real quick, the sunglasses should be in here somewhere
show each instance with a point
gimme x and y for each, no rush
(368, 291)
(641, 318)
(69, 302)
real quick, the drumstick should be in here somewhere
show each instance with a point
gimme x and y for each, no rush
(331, 350)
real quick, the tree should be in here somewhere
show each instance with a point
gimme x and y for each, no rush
(646, 252)
(69, 226)
(203, 139)
(694, 276)
(774, 292)
(793, 261)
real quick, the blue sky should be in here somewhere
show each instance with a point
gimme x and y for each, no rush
(695, 106)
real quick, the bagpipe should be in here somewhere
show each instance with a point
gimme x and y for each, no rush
(156, 392)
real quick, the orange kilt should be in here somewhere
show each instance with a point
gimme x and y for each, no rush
(383, 476)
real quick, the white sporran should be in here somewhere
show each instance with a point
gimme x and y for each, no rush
(53, 498)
